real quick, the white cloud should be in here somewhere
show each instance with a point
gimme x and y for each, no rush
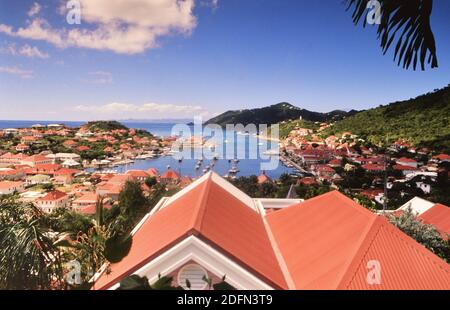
(34, 10)
(26, 50)
(100, 77)
(147, 110)
(213, 4)
(9, 49)
(32, 52)
(125, 27)
(24, 74)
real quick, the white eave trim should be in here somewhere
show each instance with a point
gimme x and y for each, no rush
(193, 249)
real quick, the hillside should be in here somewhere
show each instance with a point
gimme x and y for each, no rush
(274, 114)
(423, 121)
(105, 126)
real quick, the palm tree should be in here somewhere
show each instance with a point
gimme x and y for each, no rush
(407, 22)
(29, 259)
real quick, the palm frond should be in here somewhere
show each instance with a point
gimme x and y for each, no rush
(408, 22)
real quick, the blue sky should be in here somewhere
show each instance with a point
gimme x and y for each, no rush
(206, 57)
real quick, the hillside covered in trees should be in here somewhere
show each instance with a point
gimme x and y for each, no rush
(105, 126)
(423, 121)
(274, 114)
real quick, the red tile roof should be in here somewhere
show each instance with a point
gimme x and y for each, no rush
(218, 218)
(307, 181)
(263, 178)
(120, 179)
(47, 168)
(324, 243)
(371, 193)
(316, 262)
(9, 184)
(373, 167)
(439, 217)
(92, 209)
(89, 197)
(52, 196)
(406, 160)
(324, 168)
(170, 174)
(328, 240)
(67, 171)
(9, 172)
(335, 162)
(138, 173)
(83, 148)
(37, 158)
(405, 264)
(153, 172)
(401, 167)
(442, 157)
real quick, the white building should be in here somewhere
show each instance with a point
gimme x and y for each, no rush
(9, 187)
(52, 200)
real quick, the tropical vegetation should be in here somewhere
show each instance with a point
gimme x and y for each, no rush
(423, 121)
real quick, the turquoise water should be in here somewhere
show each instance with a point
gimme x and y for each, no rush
(187, 167)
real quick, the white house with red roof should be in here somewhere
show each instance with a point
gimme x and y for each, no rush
(11, 187)
(429, 212)
(405, 170)
(438, 216)
(328, 242)
(11, 174)
(35, 160)
(52, 200)
(111, 188)
(404, 161)
(9, 159)
(22, 147)
(86, 199)
(138, 175)
(170, 177)
(373, 167)
(441, 158)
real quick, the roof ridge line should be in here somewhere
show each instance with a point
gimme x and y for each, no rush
(199, 213)
(278, 254)
(367, 234)
(429, 209)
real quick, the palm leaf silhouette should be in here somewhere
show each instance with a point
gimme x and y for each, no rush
(408, 22)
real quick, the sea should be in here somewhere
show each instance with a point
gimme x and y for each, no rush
(247, 165)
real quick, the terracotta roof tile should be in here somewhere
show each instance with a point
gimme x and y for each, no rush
(170, 174)
(213, 215)
(327, 242)
(316, 261)
(439, 217)
(404, 263)
(52, 196)
(322, 243)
